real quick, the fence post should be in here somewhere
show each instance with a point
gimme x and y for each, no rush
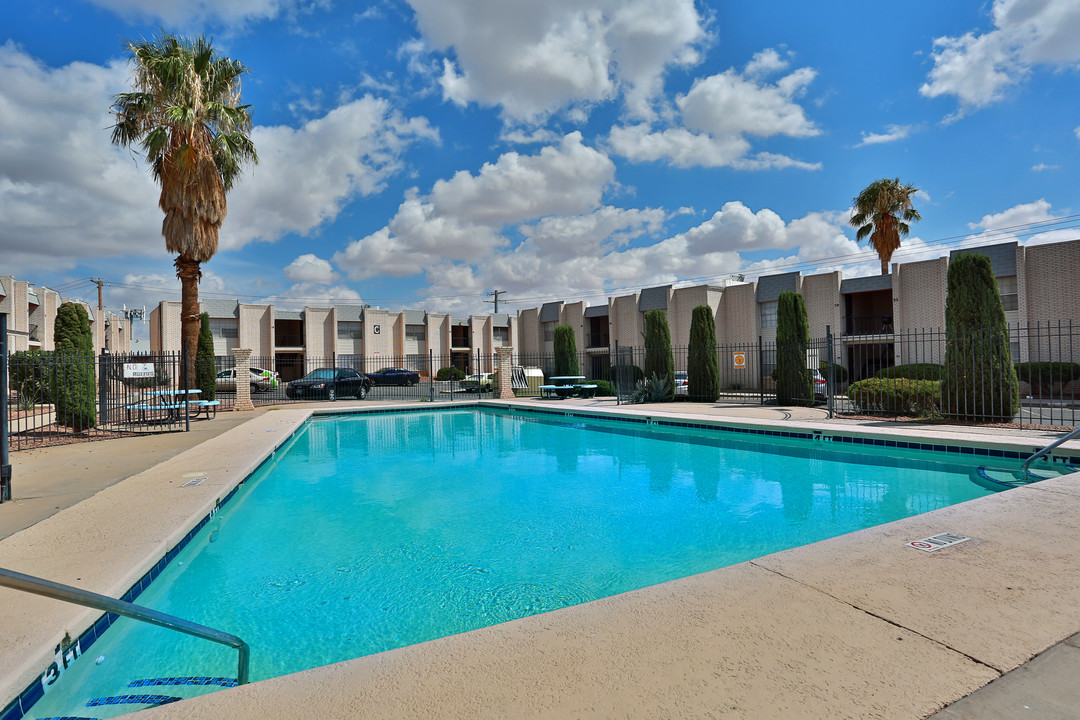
(103, 388)
(5, 464)
(431, 373)
(829, 375)
(618, 372)
(761, 370)
(185, 386)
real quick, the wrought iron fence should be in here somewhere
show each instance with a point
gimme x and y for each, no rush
(56, 399)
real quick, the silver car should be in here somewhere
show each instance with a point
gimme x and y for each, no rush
(260, 380)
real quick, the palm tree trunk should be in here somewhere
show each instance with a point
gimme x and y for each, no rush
(884, 266)
(189, 272)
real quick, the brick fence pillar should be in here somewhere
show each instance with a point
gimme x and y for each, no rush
(243, 382)
(505, 358)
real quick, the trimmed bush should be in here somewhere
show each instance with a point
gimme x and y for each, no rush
(914, 371)
(73, 385)
(619, 373)
(449, 373)
(702, 370)
(1047, 379)
(896, 396)
(603, 387)
(28, 374)
(566, 357)
(979, 382)
(659, 361)
(205, 370)
(839, 372)
(794, 381)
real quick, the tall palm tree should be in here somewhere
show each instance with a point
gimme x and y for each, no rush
(883, 211)
(184, 114)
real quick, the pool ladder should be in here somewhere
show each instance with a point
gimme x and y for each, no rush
(1042, 453)
(78, 596)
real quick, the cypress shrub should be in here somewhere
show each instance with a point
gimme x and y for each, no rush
(702, 369)
(659, 361)
(794, 380)
(912, 371)
(205, 370)
(979, 381)
(566, 358)
(73, 385)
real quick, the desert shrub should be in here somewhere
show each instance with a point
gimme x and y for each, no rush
(839, 372)
(896, 396)
(655, 388)
(449, 373)
(913, 371)
(28, 373)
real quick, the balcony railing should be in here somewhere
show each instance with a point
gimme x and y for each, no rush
(33, 333)
(868, 325)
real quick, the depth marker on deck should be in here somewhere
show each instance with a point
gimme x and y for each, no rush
(936, 542)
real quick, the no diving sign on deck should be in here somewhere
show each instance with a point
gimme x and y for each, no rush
(937, 542)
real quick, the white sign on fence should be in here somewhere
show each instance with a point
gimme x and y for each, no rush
(138, 370)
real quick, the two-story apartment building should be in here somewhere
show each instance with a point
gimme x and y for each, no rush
(31, 315)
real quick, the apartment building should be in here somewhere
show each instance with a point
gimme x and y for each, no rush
(31, 315)
(360, 336)
(876, 320)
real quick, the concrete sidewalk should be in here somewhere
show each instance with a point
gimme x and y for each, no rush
(49, 480)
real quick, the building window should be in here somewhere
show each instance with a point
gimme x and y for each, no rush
(549, 332)
(222, 328)
(350, 330)
(1009, 297)
(415, 332)
(501, 335)
(768, 314)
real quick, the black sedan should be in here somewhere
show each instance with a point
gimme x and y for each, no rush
(329, 384)
(394, 376)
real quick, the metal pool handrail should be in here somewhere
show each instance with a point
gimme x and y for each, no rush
(67, 593)
(1048, 448)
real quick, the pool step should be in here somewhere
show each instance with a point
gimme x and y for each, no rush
(175, 681)
(134, 700)
(1003, 478)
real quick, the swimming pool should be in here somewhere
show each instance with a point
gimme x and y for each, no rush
(352, 542)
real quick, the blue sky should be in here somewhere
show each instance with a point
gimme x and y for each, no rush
(420, 153)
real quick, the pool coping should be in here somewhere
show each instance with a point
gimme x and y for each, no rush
(39, 550)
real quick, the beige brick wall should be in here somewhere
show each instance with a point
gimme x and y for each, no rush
(319, 335)
(919, 294)
(438, 334)
(625, 319)
(165, 327)
(528, 331)
(821, 294)
(736, 316)
(1051, 287)
(256, 331)
(573, 314)
(680, 314)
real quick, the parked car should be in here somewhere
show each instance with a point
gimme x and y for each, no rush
(681, 382)
(260, 380)
(330, 383)
(477, 380)
(394, 376)
(820, 387)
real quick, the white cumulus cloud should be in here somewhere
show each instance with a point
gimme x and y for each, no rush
(310, 268)
(979, 68)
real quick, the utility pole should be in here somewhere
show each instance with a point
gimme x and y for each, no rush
(99, 321)
(496, 294)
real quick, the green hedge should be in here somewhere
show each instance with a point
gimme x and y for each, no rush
(617, 371)
(603, 387)
(896, 396)
(1047, 372)
(839, 372)
(30, 373)
(914, 371)
(449, 373)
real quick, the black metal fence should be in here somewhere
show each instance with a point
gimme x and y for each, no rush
(56, 399)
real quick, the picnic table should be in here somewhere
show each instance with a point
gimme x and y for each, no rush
(173, 404)
(566, 386)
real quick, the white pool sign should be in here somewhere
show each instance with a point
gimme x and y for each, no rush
(138, 370)
(936, 542)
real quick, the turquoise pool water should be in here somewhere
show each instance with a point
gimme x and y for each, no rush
(371, 532)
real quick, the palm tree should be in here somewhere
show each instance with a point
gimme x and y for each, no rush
(185, 116)
(883, 211)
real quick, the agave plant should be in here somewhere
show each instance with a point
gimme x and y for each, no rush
(656, 388)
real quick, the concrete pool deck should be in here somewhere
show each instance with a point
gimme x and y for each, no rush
(853, 627)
